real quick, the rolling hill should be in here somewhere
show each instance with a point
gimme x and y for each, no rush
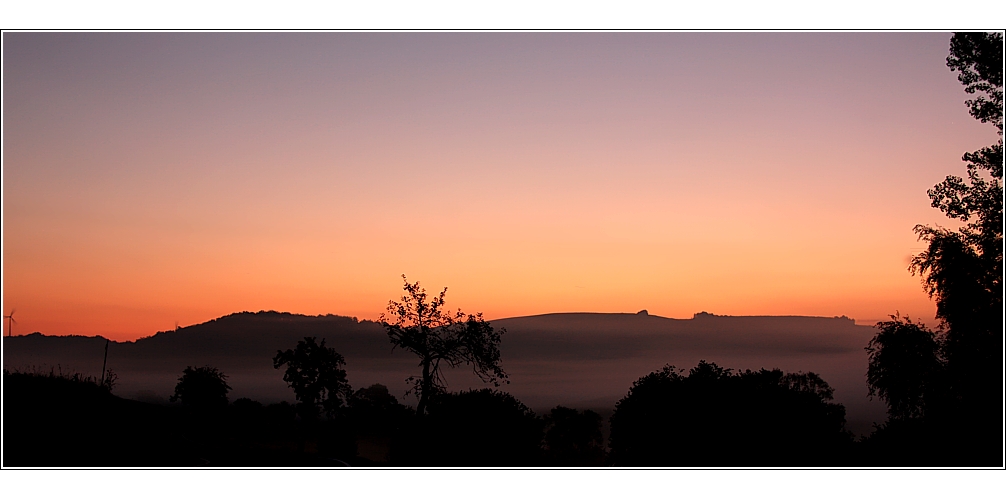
(586, 360)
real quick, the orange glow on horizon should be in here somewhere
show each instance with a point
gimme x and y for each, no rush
(153, 178)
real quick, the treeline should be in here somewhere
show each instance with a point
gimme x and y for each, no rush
(708, 417)
(943, 387)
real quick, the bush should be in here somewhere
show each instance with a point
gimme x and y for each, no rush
(477, 428)
(573, 439)
(202, 388)
(713, 417)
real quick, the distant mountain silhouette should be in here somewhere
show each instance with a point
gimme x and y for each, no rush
(576, 359)
(611, 336)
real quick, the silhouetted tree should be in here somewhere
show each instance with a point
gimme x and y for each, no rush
(905, 368)
(315, 374)
(979, 58)
(375, 403)
(378, 422)
(713, 417)
(478, 428)
(376, 396)
(437, 336)
(573, 438)
(961, 269)
(375, 410)
(202, 388)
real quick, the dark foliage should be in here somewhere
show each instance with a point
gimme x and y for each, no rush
(713, 417)
(377, 422)
(944, 389)
(202, 388)
(573, 438)
(979, 58)
(941, 440)
(905, 368)
(69, 420)
(374, 410)
(377, 397)
(963, 269)
(474, 428)
(317, 378)
(438, 336)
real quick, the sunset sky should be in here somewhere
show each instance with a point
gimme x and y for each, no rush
(155, 178)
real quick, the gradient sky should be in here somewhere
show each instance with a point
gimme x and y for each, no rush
(159, 177)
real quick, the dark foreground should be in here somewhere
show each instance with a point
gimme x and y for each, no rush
(666, 420)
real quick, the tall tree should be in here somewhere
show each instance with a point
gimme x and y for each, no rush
(913, 368)
(963, 269)
(979, 58)
(905, 368)
(424, 327)
(315, 374)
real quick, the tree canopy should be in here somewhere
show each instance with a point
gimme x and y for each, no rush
(947, 384)
(715, 417)
(483, 428)
(204, 387)
(963, 269)
(573, 438)
(978, 57)
(426, 328)
(905, 367)
(315, 374)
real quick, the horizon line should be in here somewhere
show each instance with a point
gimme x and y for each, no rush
(643, 313)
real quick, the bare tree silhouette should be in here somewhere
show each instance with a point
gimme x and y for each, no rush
(424, 327)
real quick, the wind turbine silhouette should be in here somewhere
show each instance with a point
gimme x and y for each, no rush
(10, 323)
